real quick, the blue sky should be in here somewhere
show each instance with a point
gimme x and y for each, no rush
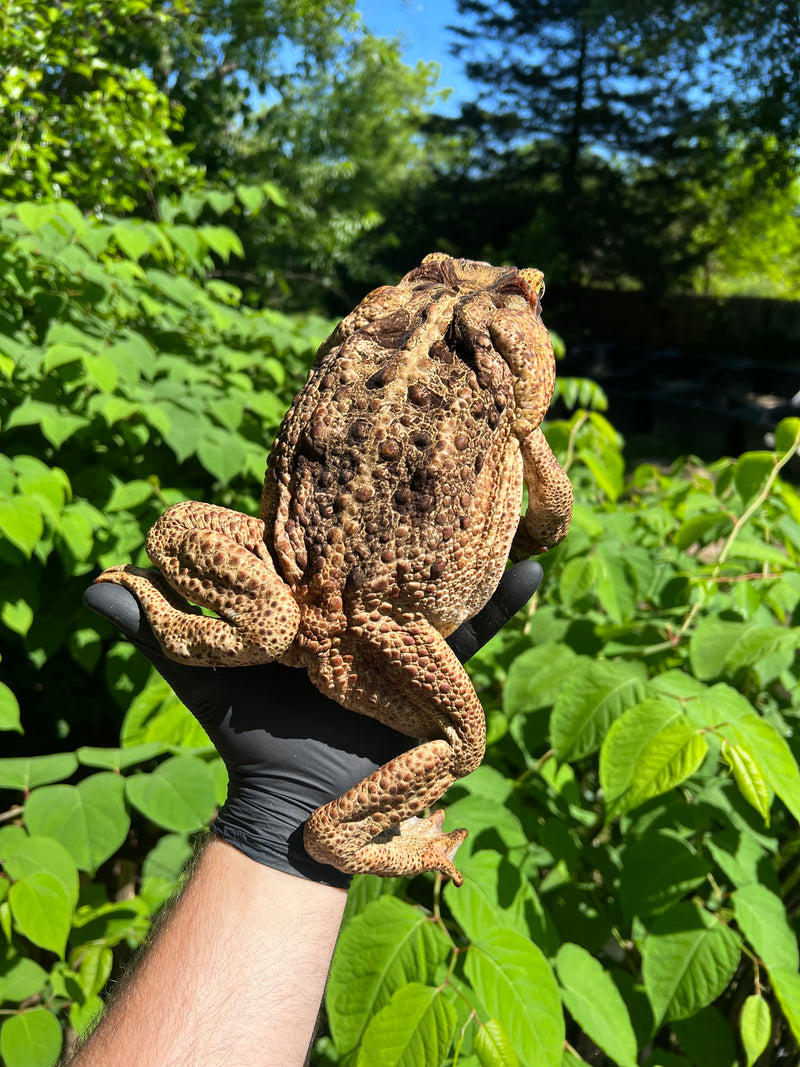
(421, 25)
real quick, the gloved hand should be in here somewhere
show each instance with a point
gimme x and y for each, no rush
(287, 748)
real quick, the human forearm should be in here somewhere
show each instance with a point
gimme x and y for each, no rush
(235, 975)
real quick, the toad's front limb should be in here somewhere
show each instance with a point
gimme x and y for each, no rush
(405, 675)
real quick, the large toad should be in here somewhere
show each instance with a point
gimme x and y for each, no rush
(390, 506)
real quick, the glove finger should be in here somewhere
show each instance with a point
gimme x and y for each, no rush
(516, 587)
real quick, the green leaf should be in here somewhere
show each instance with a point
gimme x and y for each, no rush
(707, 1039)
(120, 759)
(22, 523)
(94, 967)
(594, 1002)
(658, 870)
(750, 473)
(134, 237)
(415, 1029)
(35, 216)
(251, 197)
(89, 819)
(42, 910)
(536, 677)
(771, 754)
(718, 646)
(178, 795)
(515, 983)
(44, 855)
(222, 453)
(787, 989)
(688, 959)
(129, 495)
(589, 703)
(648, 751)
(578, 579)
(25, 773)
(111, 923)
(755, 1027)
(9, 710)
(31, 1039)
(748, 777)
(495, 895)
(167, 858)
(382, 949)
(20, 978)
(493, 1047)
(787, 435)
(763, 921)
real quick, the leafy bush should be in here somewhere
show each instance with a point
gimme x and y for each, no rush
(631, 871)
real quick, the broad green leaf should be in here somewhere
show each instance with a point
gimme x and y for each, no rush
(742, 858)
(9, 710)
(748, 777)
(515, 983)
(111, 923)
(493, 1047)
(707, 1038)
(755, 1027)
(31, 1039)
(688, 959)
(25, 773)
(21, 523)
(771, 755)
(578, 579)
(42, 910)
(712, 642)
(222, 453)
(178, 795)
(787, 435)
(251, 197)
(594, 1002)
(17, 616)
(589, 703)
(35, 216)
(89, 819)
(616, 588)
(762, 919)
(168, 857)
(750, 473)
(415, 1029)
(537, 676)
(648, 751)
(94, 967)
(489, 827)
(658, 870)
(134, 237)
(120, 759)
(786, 984)
(129, 495)
(382, 949)
(20, 978)
(38, 854)
(494, 895)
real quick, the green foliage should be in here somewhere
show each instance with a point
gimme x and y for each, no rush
(131, 379)
(74, 122)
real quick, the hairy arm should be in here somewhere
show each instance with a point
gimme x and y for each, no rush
(212, 989)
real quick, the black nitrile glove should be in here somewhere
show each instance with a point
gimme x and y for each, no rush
(287, 748)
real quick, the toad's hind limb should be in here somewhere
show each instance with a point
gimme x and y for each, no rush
(406, 676)
(216, 558)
